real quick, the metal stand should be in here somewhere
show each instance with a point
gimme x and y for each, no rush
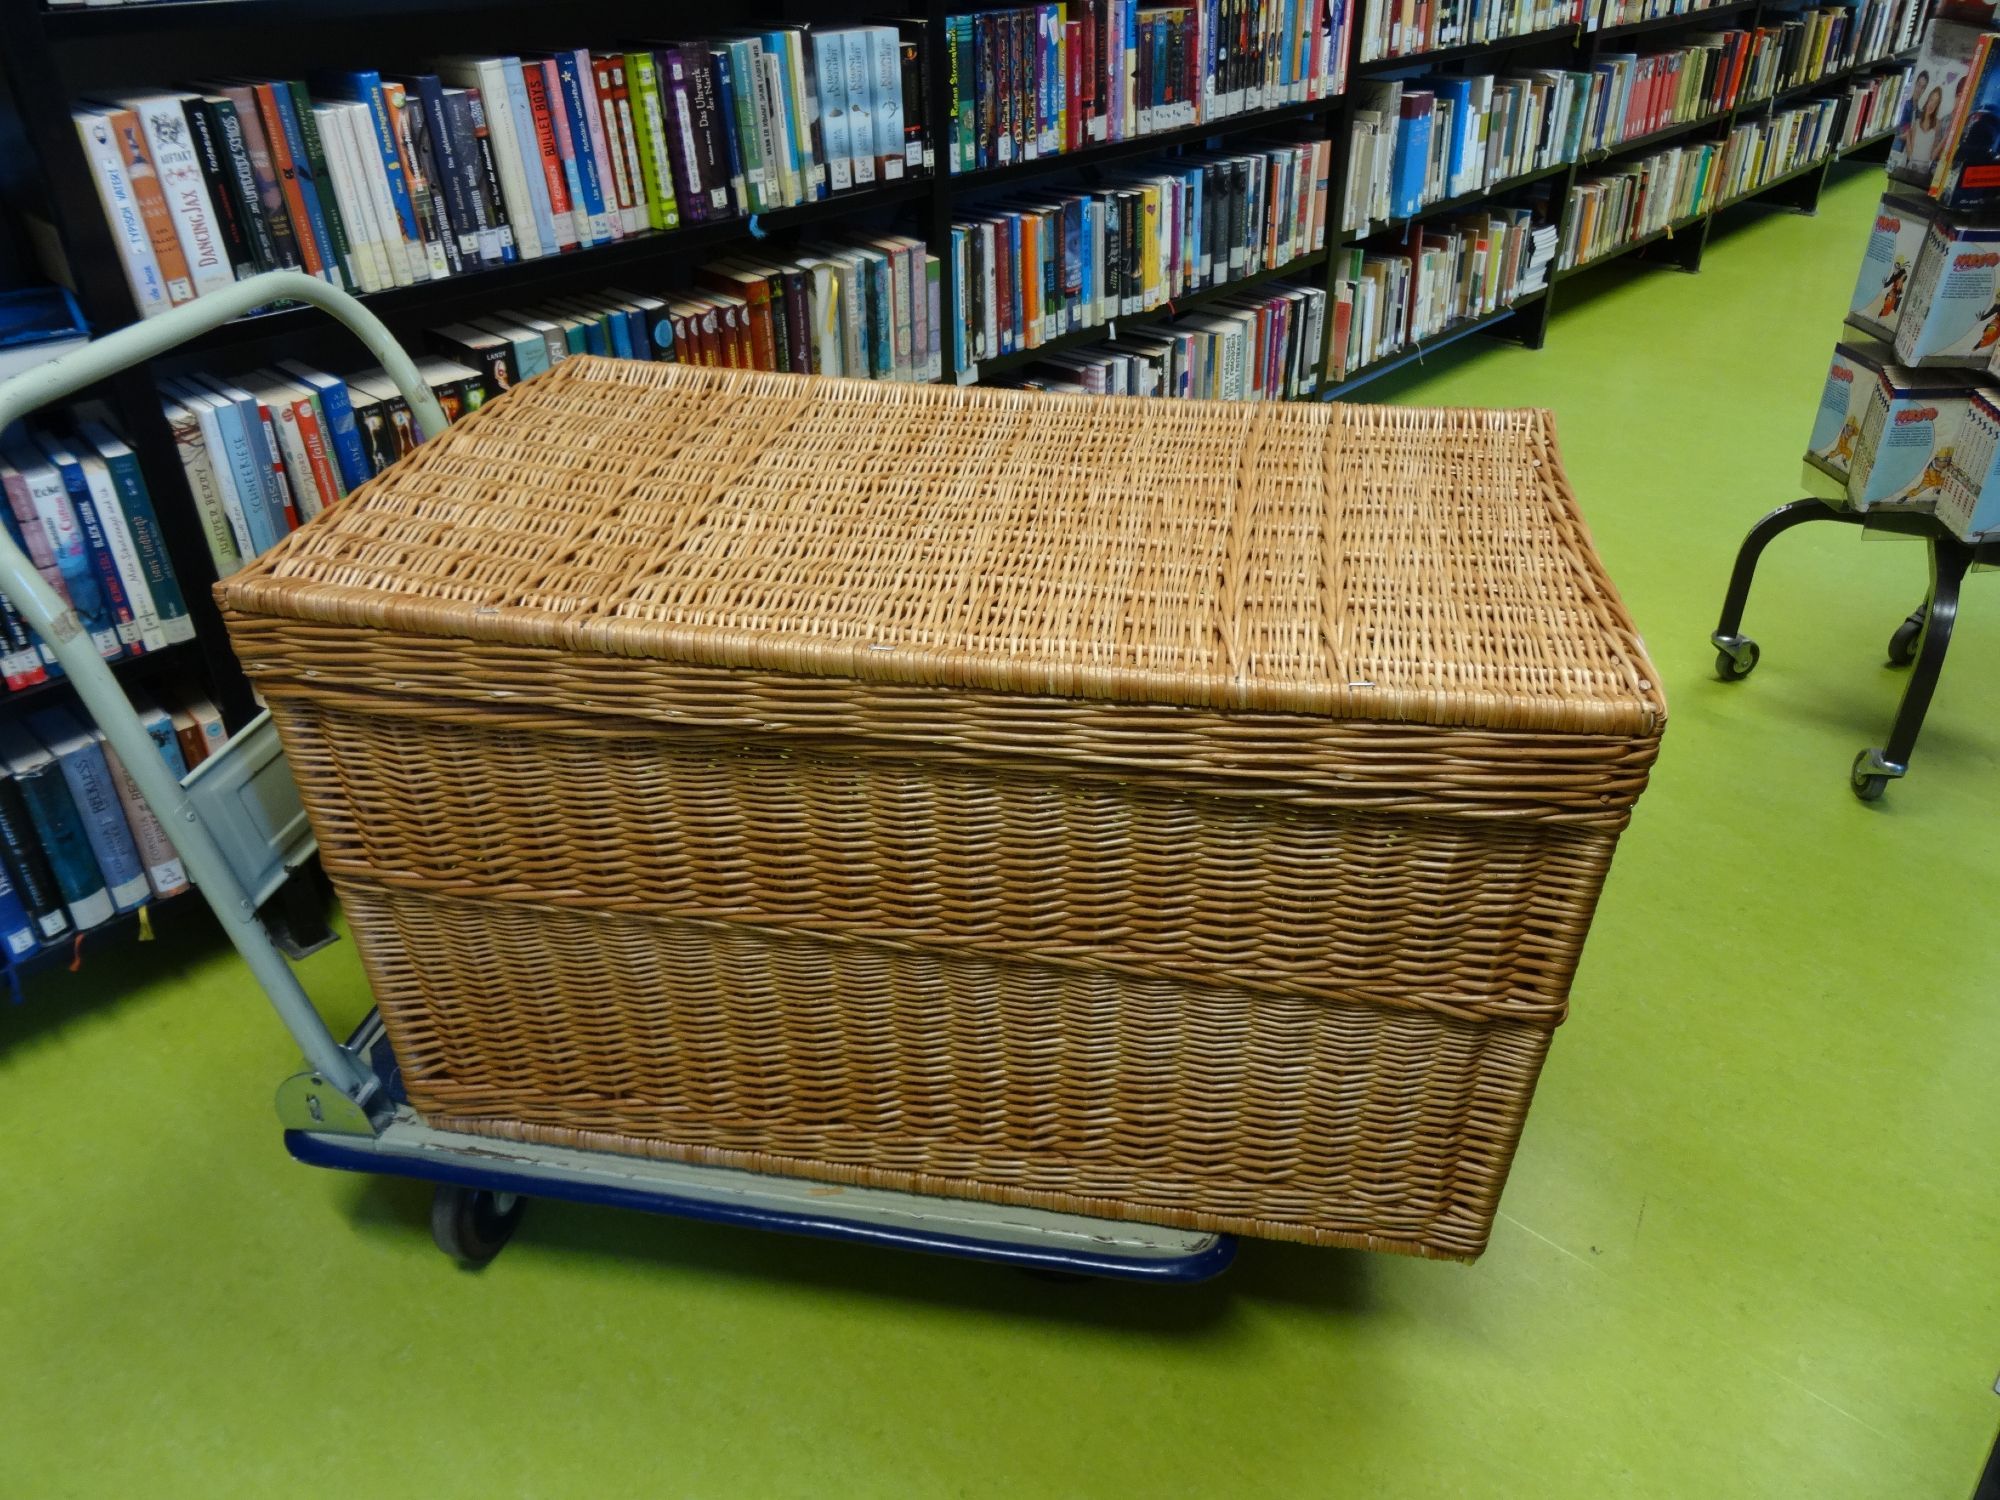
(1920, 642)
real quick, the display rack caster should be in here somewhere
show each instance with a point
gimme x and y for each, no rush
(1871, 774)
(472, 1225)
(1735, 656)
(1903, 644)
(1919, 643)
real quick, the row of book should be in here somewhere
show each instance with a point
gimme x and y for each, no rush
(1419, 141)
(371, 182)
(1042, 80)
(1410, 28)
(1391, 299)
(1948, 141)
(1260, 346)
(1031, 271)
(78, 506)
(78, 843)
(1875, 103)
(1796, 52)
(1656, 193)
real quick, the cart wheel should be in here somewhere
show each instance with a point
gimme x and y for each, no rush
(1903, 644)
(472, 1225)
(1731, 667)
(1868, 785)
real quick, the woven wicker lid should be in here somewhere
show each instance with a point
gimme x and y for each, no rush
(1362, 562)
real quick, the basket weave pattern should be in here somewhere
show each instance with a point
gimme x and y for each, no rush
(1181, 811)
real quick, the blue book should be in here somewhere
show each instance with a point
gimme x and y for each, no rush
(102, 561)
(461, 179)
(58, 825)
(160, 725)
(295, 142)
(1458, 92)
(242, 428)
(27, 865)
(1072, 261)
(365, 87)
(830, 70)
(17, 929)
(1088, 303)
(342, 434)
(596, 228)
(1412, 157)
(147, 541)
(50, 498)
(91, 787)
(236, 455)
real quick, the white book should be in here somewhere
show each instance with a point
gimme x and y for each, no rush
(146, 627)
(200, 236)
(198, 465)
(282, 400)
(861, 108)
(489, 76)
(370, 270)
(601, 145)
(121, 211)
(203, 406)
(406, 263)
(774, 124)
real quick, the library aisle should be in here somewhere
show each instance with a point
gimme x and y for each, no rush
(1750, 1246)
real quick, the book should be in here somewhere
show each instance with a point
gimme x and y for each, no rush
(1942, 67)
(1969, 502)
(165, 874)
(28, 866)
(142, 525)
(1951, 312)
(191, 445)
(58, 827)
(122, 212)
(163, 118)
(78, 749)
(1901, 222)
(83, 585)
(1908, 431)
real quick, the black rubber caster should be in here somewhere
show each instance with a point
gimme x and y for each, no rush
(1868, 785)
(1903, 644)
(472, 1225)
(1735, 665)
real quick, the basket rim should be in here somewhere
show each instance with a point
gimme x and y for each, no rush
(268, 586)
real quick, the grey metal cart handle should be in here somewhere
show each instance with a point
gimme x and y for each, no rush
(57, 624)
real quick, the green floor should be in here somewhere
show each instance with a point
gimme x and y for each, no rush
(1750, 1248)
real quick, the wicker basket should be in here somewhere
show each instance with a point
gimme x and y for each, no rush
(1170, 810)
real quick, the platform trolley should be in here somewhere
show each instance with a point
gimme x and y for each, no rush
(241, 830)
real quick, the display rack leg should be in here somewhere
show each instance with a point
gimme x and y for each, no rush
(1875, 769)
(1736, 653)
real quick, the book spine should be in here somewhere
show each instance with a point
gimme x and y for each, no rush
(664, 144)
(311, 255)
(572, 116)
(34, 879)
(272, 205)
(232, 137)
(142, 525)
(158, 218)
(885, 48)
(163, 869)
(218, 176)
(121, 209)
(198, 465)
(830, 67)
(95, 794)
(180, 180)
(621, 149)
(605, 159)
(548, 157)
(313, 169)
(366, 88)
(461, 216)
(103, 561)
(860, 104)
(59, 829)
(335, 266)
(500, 203)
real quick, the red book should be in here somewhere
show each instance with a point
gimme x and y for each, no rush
(1073, 85)
(288, 178)
(315, 445)
(549, 149)
(755, 292)
(278, 467)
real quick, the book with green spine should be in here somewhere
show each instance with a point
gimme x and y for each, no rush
(649, 124)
